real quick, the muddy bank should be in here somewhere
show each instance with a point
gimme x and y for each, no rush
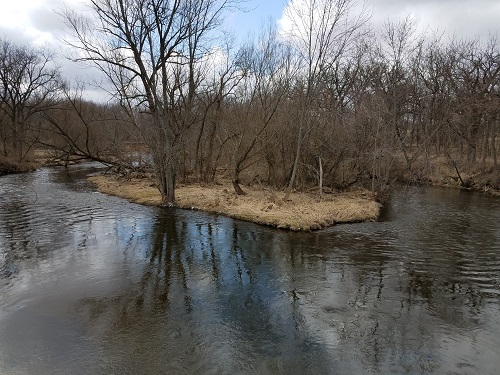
(303, 212)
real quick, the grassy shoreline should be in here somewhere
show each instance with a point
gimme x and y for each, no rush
(8, 166)
(303, 212)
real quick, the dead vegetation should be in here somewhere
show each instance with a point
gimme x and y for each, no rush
(302, 212)
(456, 173)
(8, 166)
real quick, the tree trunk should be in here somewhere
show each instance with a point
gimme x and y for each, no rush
(209, 167)
(295, 165)
(320, 178)
(493, 146)
(236, 182)
(166, 185)
(198, 161)
(484, 151)
(462, 182)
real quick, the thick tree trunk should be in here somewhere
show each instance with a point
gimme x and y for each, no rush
(166, 185)
(236, 182)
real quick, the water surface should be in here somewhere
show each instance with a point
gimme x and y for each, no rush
(91, 284)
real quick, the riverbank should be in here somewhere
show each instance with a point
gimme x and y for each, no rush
(35, 160)
(8, 166)
(442, 172)
(303, 212)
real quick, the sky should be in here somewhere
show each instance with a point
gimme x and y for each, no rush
(37, 21)
(461, 18)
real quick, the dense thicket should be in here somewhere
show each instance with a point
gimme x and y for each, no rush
(29, 84)
(329, 102)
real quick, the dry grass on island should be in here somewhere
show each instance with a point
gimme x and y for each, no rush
(303, 212)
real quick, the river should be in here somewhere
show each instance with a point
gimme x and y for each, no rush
(91, 284)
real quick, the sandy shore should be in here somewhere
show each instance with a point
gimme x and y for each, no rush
(303, 212)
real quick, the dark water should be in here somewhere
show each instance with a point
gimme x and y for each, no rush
(90, 284)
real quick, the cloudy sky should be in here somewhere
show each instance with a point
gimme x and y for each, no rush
(37, 21)
(462, 18)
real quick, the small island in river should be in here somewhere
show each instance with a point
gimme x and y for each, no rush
(261, 205)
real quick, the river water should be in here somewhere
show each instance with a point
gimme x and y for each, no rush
(91, 284)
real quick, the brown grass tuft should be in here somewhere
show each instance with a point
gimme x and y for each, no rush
(303, 212)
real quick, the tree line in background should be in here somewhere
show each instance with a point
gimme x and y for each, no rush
(329, 103)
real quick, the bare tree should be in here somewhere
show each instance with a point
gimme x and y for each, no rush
(321, 31)
(29, 83)
(267, 68)
(149, 50)
(224, 75)
(78, 129)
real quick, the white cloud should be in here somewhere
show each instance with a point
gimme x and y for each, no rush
(461, 18)
(35, 21)
(39, 23)
(15, 14)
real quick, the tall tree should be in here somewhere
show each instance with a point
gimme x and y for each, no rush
(150, 51)
(268, 68)
(29, 83)
(322, 31)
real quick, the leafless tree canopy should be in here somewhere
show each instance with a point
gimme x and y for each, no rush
(326, 102)
(29, 83)
(152, 51)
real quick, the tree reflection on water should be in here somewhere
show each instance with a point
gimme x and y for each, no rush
(95, 283)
